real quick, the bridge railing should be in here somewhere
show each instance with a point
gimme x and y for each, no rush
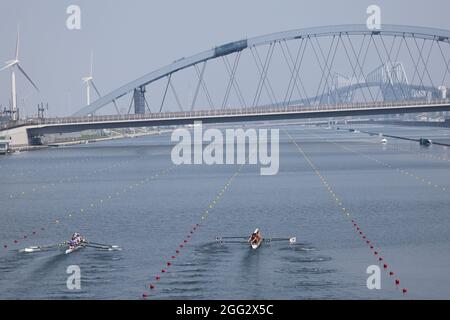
(223, 112)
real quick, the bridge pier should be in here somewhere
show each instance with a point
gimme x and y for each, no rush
(18, 137)
(139, 100)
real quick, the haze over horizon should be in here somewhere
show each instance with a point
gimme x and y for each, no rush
(130, 39)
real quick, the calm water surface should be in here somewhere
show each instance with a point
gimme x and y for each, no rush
(109, 192)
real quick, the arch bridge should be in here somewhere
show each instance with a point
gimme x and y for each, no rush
(322, 72)
(318, 66)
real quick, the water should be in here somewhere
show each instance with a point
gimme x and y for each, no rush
(68, 189)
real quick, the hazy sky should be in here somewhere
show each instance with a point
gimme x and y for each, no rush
(130, 38)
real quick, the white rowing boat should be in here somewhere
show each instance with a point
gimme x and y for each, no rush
(70, 250)
(66, 249)
(255, 245)
(255, 239)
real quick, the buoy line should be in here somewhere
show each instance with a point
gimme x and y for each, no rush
(408, 173)
(347, 214)
(192, 231)
(49, 185)
(84, 210)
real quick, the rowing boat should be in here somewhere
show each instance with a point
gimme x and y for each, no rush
(66, 249)
(255, 245)
(70, 250)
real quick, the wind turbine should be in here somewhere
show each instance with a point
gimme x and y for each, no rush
(89, 81)
(15, 65)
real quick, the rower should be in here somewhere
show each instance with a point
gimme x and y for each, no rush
(76, 240)
(255, 237)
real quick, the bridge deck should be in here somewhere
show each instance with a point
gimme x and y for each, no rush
(71, 124)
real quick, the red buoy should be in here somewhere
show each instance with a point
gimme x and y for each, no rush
(15, 241)
(380, 259)
(163, 270)
(144, 295)
(371, 247)
(391, 273)
(34, 232)
(181, 246)
(157, 278)
(169, 264)
(177, 251)
(152, 287)
(185, 241)
(367, 241)
(385, 267)
(397, 282)
(5, 246)
(375, 253)
(404, 290)
(173, 257)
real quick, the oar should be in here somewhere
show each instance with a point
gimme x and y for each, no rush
(40, 248)
(221, 238)
(291, 240)
(101, 246)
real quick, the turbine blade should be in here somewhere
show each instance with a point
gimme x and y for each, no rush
(29, 79)
(8, 66)
(17, 43)
(95, 88)
(92, 62)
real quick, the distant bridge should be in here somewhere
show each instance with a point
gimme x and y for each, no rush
(37, 127)
(331, 71)
(312, 66)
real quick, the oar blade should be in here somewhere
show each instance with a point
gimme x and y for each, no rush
(29, 250)
(103, 247)
(33, 249)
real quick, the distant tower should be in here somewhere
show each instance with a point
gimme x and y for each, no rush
(139, 100)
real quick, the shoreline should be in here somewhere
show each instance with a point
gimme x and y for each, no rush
(82, 141)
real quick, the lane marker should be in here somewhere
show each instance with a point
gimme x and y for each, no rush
(193, 230)
(82, 211)
(345, 212)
